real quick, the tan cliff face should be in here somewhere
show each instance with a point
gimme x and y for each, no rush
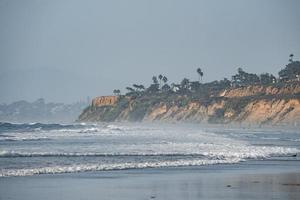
(104, 101)
(257, 112)
(253, 105)
(276, 111)
(194, 111)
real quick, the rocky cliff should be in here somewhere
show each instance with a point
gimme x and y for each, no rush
(104, 101)
(257, 105)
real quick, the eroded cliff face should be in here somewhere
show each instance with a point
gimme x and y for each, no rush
(255, 105)
(276, 111)
(104, 101)
(193, 111)
(273, 111)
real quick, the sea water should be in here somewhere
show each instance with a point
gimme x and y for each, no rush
(35, 148)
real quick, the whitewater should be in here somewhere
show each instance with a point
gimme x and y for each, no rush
(35, 148)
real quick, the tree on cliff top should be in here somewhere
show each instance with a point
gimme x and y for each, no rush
(160, 78)
(185, 84)
(154, 79)
(243, 78)
(291, 58)
(165, 79)
(130, 89)
(290, 72)
(267, 78)
(117, 92)
(153, 88)
(200, 73)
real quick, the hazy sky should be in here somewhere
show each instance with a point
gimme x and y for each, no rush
(66, 50)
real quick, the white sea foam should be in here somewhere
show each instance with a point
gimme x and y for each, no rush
(104, 167)
(242, 152)
(191, 146)
(49, 135)
(40, 134)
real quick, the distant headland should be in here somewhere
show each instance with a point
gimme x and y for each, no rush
(245, 99)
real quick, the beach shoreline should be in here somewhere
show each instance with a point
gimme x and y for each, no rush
(262, 179)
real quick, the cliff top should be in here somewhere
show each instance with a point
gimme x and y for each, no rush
(104, 101)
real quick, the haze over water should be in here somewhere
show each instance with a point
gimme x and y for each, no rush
(64, 51)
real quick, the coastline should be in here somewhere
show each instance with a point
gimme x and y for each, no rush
(256, 179)
(246, 105)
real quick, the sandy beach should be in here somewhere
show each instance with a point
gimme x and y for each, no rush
(271, 179)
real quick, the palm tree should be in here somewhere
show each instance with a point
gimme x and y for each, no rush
(160, 77)
(129, 89)
(165, 79)
(137, 87)
(141, 87)
(201, 74)
(154, 79)
(240, 70)
(199, 71)
(291, 57)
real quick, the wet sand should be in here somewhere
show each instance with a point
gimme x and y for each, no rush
(247, 180)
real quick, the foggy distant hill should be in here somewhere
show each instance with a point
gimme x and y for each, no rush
(40, 111)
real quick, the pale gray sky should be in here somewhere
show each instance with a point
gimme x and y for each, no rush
(66, 50)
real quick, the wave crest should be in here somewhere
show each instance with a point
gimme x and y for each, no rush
(8, 127)
(105, 167)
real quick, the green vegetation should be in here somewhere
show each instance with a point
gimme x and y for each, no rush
(218, 116)
(290, 72)
(197, 89)
(140, 100)
(139, 109)
(117, 92)
(199, 71)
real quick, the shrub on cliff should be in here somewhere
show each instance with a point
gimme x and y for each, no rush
(237, 104)
(243, 78)
(218, 116)
(139, 110)
(290, 72)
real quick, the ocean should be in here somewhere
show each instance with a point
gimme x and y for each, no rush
(32, 149)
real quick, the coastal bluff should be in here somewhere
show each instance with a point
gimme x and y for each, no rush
(277, 104)
(104, 101)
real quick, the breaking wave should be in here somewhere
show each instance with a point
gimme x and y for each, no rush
(246, 152)
(26, 127)
(105, 167)
(56, 148)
